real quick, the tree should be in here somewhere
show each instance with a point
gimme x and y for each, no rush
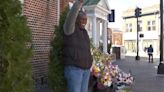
(56, 72)
(15, 68)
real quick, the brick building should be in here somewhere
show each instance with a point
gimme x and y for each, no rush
(42, 16)
(115, 36)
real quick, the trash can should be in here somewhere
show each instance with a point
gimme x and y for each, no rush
(117, 52)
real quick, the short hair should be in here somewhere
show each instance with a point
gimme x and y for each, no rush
(81, 13)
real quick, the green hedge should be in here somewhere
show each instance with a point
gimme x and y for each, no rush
(15, 69)
(56, 72)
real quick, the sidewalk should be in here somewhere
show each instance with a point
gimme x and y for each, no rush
(142, 54)
(145, 74)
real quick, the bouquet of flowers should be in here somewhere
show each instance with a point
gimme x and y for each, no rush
(122, 79)
(107, 73)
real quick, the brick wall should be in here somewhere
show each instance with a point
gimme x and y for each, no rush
(115, 36)
(41, 17)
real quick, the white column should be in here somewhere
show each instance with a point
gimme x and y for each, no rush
(104, 36)
(94, 35)
(98, 33)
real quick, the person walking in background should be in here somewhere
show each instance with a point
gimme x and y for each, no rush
(76, 52)
(150, 53)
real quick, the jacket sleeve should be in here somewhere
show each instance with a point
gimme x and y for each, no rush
(69, 24)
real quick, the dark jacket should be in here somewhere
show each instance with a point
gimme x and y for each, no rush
(76, 50)
(150, 50)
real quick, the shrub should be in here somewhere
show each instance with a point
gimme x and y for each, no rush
(15, 69)
(56, 67)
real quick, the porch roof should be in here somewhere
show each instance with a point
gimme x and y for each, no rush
(91, 2)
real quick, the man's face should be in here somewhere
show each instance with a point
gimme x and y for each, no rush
(82, 21)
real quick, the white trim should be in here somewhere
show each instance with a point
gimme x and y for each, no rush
(107, 3)
(95, 12)
(101, 17)
(90, 7)
(101, 8)
(90, 15)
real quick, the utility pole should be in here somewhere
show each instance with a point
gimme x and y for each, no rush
(137, 14)
(161, 65)
(161, 29)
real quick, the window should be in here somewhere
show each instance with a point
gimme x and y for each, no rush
(129, 27)
(149, 28)
(154, 28)
(153, 22)
(148, 23)
(151, 25)
(130, 45)
(126, 27)
(140, 25)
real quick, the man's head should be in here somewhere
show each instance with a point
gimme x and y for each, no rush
(81, 20)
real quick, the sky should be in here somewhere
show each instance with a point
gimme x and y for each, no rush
(122, 5)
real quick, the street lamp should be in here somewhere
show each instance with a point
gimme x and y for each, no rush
(137, 14)
(161, 65)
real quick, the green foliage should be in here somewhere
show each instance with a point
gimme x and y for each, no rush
(15, 69)
(56, 72)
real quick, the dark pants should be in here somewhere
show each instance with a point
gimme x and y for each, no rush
(150, 58)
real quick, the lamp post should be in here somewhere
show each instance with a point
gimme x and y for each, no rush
(137, 14)
(161, 65)
(161, 31)
(137, 56)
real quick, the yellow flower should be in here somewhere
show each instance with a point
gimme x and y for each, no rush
(95, 69)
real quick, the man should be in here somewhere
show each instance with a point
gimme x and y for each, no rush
(76, 53)
(150, 53)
